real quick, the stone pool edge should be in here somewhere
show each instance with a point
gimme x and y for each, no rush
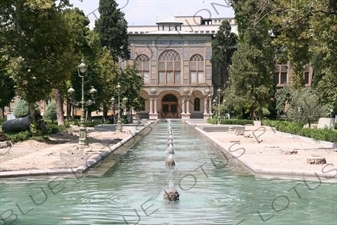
(271, 173)
(79, 170)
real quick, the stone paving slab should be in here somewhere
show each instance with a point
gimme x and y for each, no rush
(264, 152)
(69, 157)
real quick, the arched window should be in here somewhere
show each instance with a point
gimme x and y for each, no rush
(142, 66)
(197, 69)
(197, 104)
(169, 67)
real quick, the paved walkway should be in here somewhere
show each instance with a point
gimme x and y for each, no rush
(69, 157)
(269, 153)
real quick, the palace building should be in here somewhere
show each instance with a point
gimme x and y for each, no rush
(176, 67)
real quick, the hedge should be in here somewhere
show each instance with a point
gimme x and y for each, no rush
(297, 128)
(229, 121)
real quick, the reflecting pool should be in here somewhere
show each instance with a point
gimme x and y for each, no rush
(214, 189)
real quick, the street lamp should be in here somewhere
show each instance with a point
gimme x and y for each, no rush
(82, 68)
(219, 93)
(119, 121)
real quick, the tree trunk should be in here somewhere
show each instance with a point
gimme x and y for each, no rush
(32, 120)
(59, 107)
(89, 115)
(68, 110)
(105, 111)
(252, 113)
(2, 112)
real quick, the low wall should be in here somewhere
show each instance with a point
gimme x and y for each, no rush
(221, 128)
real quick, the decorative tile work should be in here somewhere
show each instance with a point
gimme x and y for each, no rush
(154, 72)
(169, 43)
(208, 53)
(196, 42)
(131, 53)
(197, 51)
(185, 72)
(208, 72)
(186, 53)
(138, 42)
(154, 53)
(140, 51)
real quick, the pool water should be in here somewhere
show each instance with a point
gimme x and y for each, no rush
(214, 189)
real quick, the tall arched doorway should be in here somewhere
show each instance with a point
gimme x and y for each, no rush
(169, 106)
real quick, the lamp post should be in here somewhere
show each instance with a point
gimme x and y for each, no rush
(119, 121)
(219, 93)
(208, 107)
(82, 68)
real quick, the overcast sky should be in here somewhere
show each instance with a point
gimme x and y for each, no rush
(148, 12)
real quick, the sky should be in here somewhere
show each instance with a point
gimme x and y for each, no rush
(148, 12)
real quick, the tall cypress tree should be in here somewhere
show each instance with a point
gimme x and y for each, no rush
(251, 75)
(223, 47)
(112, 28)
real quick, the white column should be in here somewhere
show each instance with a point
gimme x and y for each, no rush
(205, 105)
(155, 110)
(187, 106)
(151, 110)
(210, 105)
(183, 106)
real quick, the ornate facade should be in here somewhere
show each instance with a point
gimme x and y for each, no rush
(176, 69)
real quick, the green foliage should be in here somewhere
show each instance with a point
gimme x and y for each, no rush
(229, 121)
(297, 128)
(250, 82)
(305, 106)
(17, 137)
(6, 83)
(27, 135)
(50, 113)
(54, 128)
(112, 28)
(2, 120)
(131, 85)
(21, 108)
(293, 35)
(41, 48)
(223, 47)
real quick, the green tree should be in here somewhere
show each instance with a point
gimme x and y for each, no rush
(305, 107)
(50, 113)
(41, 47)
(21, 108)
(251, 73)
(324, 26)
(131, 85)
(112, 28)
(6, 85)
(294, 35)
(223, 47)
(108, 72)
(250, 82)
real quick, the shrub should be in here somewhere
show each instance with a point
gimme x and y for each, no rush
(2, 120)
(229, 121)
(54, 128)
(50, 113)
(297, 128)
(236, 121)
(16, 137)
(21, 108)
